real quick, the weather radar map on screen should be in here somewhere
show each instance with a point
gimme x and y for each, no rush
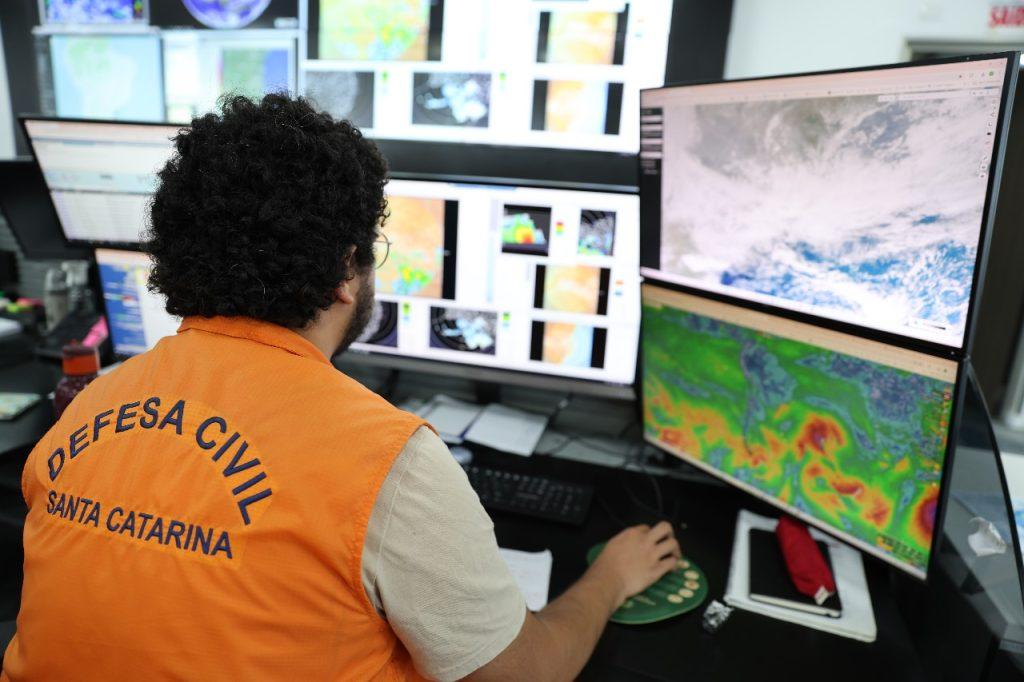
(855, 196)
(390, 30)
(416, 267)
(845, 432)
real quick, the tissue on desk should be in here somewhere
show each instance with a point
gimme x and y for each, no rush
(507, 429)
(532, 571)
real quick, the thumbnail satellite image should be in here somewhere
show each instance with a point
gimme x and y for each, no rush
(382, 330)
(572, 288)
(451, 99)
(385, 30)
(581, 37)
(576, 107)
(526, 230)
(415, 264)
(107, 77)
(857, 444)
(344, 94)
(597, 233)
(253, 71)
(471, 331)
(571, 345)
(224, 14)
(93, 11)
(849, 205)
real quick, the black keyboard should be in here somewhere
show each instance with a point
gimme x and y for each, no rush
(536, 496)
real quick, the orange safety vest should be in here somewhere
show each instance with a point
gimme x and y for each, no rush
(200, 513)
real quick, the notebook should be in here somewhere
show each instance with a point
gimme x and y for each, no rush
(770, 582)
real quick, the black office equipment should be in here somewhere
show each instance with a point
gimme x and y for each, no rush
(25, 203)
(536, 496)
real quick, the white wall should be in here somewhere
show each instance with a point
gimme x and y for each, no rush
(6, 120)
(784, 36)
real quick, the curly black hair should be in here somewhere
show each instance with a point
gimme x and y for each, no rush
(259, 207)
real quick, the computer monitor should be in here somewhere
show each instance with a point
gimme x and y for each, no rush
(107, 76)
(201, 66)
(552, 74)
(100, 175)
(78, 13)
(515, 283)
(136, 317)
(843, 432)
(859, 197)
(26, 207)
(486, 280)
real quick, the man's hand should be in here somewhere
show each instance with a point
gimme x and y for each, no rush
(555, 643)
(636, 558)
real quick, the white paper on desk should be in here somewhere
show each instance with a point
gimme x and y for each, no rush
(450, 417)
(507, 429)
(532, 571)
(857, 620)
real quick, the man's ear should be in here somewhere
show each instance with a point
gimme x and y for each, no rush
(349, 287)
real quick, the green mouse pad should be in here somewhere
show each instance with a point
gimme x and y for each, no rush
(680, 590)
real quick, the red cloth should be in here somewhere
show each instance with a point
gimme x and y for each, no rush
(807, 567)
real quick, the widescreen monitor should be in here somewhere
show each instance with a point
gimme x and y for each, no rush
(527, 280)
(847, 433)
(136, 317)
(100, 175)
(513, 283)
(25, 205)
(543, 74)
(201, 66)
(107, 76)
(860, 197)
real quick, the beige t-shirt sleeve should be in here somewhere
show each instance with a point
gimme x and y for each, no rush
(431, 564)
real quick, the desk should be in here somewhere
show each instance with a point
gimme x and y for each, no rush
(27, 377)
(749, 646)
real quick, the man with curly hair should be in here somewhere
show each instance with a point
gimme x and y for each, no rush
(229, 506)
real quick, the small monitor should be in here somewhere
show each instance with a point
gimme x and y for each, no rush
(861, 197)
(552, 74)
(849, 434)
(100, 175)
(107, 77)
(136, 317)
(26, 206)
(528, 282)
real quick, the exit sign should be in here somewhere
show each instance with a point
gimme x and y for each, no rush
(1011, 16)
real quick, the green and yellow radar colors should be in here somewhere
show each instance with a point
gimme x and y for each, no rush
(841, 431)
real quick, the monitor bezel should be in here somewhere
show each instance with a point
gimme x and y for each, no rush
(25, 119)
(947, 464)
(1013, 63)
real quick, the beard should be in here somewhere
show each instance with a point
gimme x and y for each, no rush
(361, 316)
